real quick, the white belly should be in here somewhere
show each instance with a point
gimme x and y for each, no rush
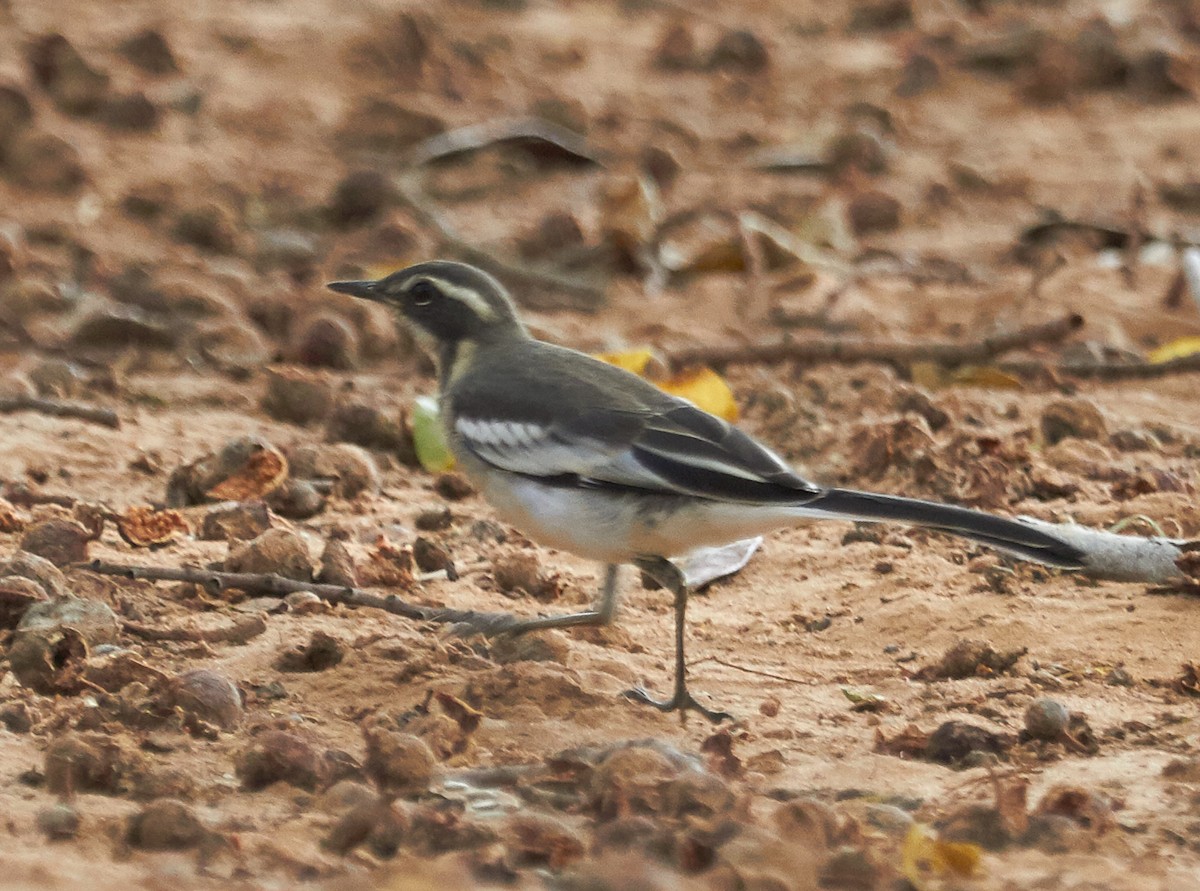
(614, 527)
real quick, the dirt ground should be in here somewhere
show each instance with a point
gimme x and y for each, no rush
(177, 183)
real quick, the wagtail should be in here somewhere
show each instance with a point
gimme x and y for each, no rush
(584, 456)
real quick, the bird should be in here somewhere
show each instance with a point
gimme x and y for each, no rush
(584, 456)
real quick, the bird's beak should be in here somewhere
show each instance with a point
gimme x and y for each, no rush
(365, 289)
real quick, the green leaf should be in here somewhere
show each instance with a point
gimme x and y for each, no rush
(428, 440)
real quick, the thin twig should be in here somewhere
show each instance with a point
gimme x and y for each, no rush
(1105, 371)
(278, 586)
(747, 670)
(898, 354)
(54, 408)
(575, 294)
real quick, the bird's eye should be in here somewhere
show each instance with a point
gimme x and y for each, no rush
(423, 293)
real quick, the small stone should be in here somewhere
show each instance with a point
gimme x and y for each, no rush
(296, 500)
(15, 112)
(437, 519)
(350, 469)
(87, 763)
(304, 602)
(62, 542)
(293, 250)
(15, 717)
(74, 85)
(321, 652)
(42, 162)
(116, 327)
(211, 227)
(739, 51)
(1078, 418)
(380, 824)
(453, 486)
(147, 201)
(148, 50)
(235, 521)
(17, 595)
(367, 426)
(58, 821)
(133, 112)
(165, 825)
(297, 396)
(232, 346)
(553, 235)
(874, 212)
(541, 841)
(859, 150)
(881, 15)
(207, 696)
(1100, 61)
(359, 198)
(276, 551)
(278, 756)
(1046, 719)
(676, 50)
(954, 741)
(428, 555)
(327, 341)
(39, 569)
(56, 378)
(345, 795)
(337, 566)
(522, 572)
(398, 763)
(1127, 440)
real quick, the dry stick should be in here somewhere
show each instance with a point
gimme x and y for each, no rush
(899, 354)
(57, 409)
(583, 297)
(1106, 371)
(278, 586)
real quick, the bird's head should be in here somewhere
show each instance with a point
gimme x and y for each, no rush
(446, 304)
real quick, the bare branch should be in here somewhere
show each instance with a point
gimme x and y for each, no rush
(54, 408)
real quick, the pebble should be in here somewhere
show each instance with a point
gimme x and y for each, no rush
(208, 696)
(1078, 418)
(43, 162)
(279, 756)
(60, 541)
(235, 521)
(398, 763)
(1046, 719)
(276, 551)
(359, 198)
(58, 821)
(148, 50)
(165, 825)
(327, 341)
(298, 396)
(73, 84)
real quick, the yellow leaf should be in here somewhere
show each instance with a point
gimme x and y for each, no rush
(705, 389)
(428, 440)
(701, 386)
(631, 360)
(986, 376)
(1175, 349)
(925, 856)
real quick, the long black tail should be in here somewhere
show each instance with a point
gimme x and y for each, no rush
(1011, 536)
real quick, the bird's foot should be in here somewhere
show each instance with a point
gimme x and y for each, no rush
(681, 701)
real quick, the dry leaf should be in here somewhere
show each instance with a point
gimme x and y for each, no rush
(705, 389)
(635, 361)
(985, 376)
(1175, 349)
(263, 473)
(701, 386)
(925, 856)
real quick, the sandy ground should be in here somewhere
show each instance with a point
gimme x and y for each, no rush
(180, 259)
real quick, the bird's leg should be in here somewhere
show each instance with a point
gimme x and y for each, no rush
(670, 577)
(601, 613)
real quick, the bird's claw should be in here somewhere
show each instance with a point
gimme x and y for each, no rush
(680, 701)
